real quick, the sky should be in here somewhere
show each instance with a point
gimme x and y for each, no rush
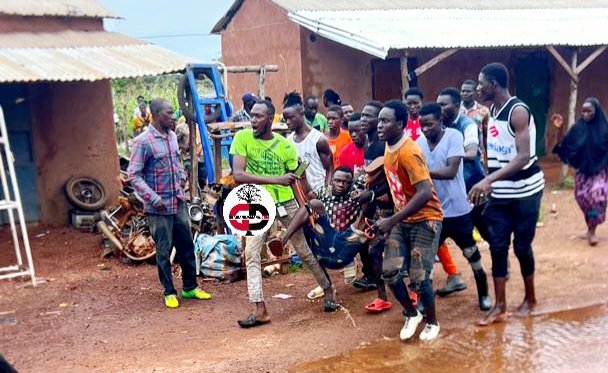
(182, 26)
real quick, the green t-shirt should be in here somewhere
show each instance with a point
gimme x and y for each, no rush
(319, 123)
(273, 157)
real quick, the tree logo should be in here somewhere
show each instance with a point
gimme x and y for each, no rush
(249, 210)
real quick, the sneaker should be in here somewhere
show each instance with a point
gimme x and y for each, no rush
(430, 332)
(196, 293)
(171, 301)
(365, 283)
(350, 273)
(453, 284)
(409, 328)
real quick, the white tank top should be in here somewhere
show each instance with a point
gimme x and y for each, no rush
(502, 149)
(307, 151)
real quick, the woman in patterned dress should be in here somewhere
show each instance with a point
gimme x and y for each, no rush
(585, 148)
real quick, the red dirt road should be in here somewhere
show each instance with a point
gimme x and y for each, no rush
(113, 320)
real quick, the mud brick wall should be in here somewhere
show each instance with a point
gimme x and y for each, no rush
(73, 134)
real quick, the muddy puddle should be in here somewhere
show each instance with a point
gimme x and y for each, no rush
(559, 342)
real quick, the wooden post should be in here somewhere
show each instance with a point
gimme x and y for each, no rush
(217, 158)
(571, 104)
(261, 81)
(405, 76)
(123, 128)
(194, 159)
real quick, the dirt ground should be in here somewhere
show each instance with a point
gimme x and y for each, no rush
(87, 319)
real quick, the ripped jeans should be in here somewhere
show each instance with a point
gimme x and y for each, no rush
(411, 249)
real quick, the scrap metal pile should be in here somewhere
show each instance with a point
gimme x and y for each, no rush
(124, 223)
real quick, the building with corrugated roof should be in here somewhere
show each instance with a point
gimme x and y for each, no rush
(56, 63)
(377, 49)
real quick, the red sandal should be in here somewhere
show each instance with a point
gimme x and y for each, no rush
(378, 305)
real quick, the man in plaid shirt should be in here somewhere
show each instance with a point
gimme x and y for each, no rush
(158, 176)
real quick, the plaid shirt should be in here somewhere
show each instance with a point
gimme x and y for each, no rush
(341, 210)
(156, 172)
(241, 116)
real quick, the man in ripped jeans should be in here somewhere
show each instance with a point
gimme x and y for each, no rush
(413, 231)
(268, 159)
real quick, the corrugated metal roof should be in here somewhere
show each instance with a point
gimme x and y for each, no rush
(73, 55)
(377, 31)
(65, 39)
(296, 5)
(68, 8)
(327, 5)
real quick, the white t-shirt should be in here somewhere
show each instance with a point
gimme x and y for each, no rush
(307, 151)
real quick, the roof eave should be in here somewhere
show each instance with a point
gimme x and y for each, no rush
(223, 23)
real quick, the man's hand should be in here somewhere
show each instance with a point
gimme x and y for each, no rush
(287, 180)
(361, 196)
(384, 225)
(480, 192)
(160, 206)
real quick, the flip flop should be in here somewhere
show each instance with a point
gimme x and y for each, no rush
(315, 293)
(413, 297)
(251, 321)
(378, 305)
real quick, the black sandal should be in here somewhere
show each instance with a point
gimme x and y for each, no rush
(331, 306)
(251, 321)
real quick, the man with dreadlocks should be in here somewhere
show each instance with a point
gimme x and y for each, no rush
(311, 145)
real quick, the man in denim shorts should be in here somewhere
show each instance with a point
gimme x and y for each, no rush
(413, 231)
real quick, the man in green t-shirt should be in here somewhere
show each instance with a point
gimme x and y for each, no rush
(268, 159)
(313, 118)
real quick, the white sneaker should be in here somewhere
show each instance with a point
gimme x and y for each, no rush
(430, 332)
(409, 328)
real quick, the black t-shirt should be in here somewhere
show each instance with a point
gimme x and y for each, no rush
(373, 150)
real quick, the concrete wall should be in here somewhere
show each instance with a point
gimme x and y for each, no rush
(260, 33)
(73, 134)
(327, 64)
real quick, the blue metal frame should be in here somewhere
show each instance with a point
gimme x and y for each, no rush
(213, 73)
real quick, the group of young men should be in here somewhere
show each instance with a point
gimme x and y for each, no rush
(409, 176)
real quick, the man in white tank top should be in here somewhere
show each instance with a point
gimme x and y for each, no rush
(514, 187)
(310, 144)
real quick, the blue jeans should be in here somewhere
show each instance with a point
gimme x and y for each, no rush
(331, 248)
(169, 231)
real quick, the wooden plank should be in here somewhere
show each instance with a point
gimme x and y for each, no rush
(250, 69)
(579, 69)
(434, 61)
(235, 126)
(563, 63)
(405, 76)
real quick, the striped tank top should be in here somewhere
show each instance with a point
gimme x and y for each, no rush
(502, 150)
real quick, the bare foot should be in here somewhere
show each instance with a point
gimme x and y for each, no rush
(525, 308)
(592, 239)
(494, 316)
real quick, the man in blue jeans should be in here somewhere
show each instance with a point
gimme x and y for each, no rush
(157, 175)
(514, 187)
